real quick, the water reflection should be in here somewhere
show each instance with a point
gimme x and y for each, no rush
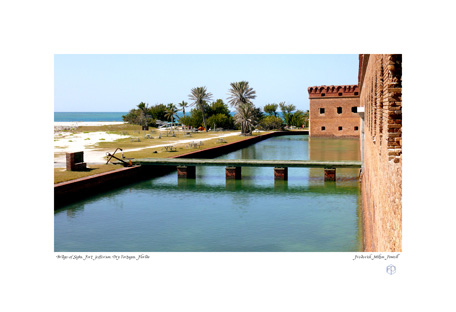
(334, 149)
(210, 213)
(280, 186)
(233, 185)
(246, 186)
(331, 149)
(186, 184)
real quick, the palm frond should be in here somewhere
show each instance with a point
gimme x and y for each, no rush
(199, 95)
(240, 92)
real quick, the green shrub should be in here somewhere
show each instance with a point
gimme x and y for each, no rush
(271, 122)
(220, 121)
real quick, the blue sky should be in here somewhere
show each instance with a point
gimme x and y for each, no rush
(117, 83)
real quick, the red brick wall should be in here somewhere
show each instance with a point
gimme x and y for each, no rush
(334, 97)
(381, 187)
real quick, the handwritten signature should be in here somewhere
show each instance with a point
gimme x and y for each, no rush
(376, 257)
(102, 257)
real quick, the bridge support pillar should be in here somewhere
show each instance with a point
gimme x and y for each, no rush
(330, 174)
(233, 173)
(281, 173)
(186, 172)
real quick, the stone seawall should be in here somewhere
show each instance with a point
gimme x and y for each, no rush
(70, 191)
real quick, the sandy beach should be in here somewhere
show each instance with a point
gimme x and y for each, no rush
(65, 142)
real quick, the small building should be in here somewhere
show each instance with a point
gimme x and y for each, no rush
(333, 111)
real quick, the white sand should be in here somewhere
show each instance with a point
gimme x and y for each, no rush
(65, 143)
(85, 142)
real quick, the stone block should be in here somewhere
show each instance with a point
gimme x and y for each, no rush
(75, 161)
(79, 166)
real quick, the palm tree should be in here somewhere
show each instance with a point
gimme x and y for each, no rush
(200, 95)
(170, 111)
(241, 96)
(143, 107)
(183, 105)
(245, 116)
(240, 92)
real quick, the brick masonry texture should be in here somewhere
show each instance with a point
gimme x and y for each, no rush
(338, 118)
(281, 174)
(233, 173)
(330, 174)
(380, 81)
(186, 172)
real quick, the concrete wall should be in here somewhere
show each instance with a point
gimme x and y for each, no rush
(331, 123)
(380, 81)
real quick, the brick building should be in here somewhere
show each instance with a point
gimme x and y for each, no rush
(379, 96)
(333, 111)
(380, 84)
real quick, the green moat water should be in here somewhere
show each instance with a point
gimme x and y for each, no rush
(211, 214)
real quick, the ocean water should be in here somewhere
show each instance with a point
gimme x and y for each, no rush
(88, 116)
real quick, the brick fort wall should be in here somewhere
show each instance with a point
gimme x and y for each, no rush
(332, 111)
(380, 81)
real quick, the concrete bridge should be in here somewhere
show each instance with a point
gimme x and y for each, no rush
(186, 166)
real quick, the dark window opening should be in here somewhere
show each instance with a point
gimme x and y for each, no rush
(322, 94)
(354, 110)
(322, 110)
(323, 128)
(340, 94)
(356, 93)
(356, 128)
(339, 110)
(340, 128)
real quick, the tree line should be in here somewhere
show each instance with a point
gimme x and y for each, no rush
(216, 114)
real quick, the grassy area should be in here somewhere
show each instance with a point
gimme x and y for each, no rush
(135, 132)
(183, 148)
(147, 145)
(61, 175)
(109, 128)
(127, 143)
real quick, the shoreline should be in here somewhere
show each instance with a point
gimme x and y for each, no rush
(86, 123)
